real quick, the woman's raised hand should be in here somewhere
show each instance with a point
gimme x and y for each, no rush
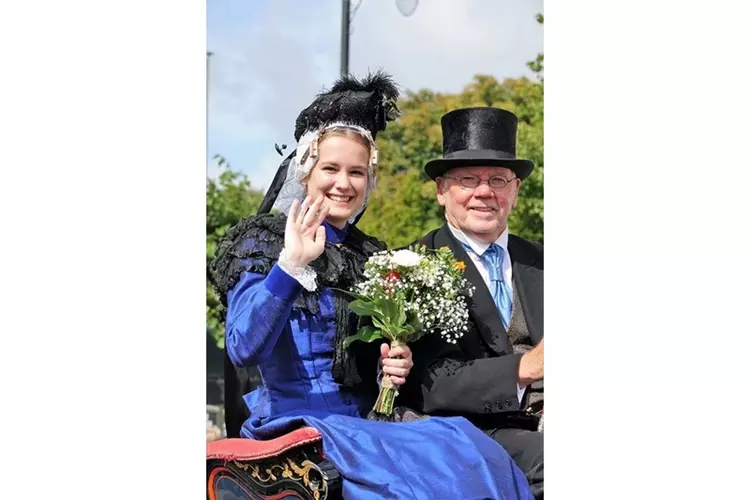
(305, 237)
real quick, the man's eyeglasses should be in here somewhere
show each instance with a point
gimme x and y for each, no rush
(473, 182)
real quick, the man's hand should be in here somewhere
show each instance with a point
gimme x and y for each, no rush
(397, 362)
(531, 367)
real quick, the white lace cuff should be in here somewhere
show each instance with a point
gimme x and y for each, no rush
(304, 275)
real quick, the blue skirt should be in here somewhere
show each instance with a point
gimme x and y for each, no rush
(429, 459)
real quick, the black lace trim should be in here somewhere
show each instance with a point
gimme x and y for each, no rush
(254, 245)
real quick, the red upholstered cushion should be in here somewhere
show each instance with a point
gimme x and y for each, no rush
(250, 449)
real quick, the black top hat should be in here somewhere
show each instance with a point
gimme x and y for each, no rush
(479, 137)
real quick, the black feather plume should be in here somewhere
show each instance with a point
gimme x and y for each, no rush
(379, 82)
(369, 103)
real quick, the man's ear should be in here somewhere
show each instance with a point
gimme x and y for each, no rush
(518, 190)
(440, 185)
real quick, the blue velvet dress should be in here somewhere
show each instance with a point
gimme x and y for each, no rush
(431, 459)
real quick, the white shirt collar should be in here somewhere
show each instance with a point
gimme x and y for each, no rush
(480, 247)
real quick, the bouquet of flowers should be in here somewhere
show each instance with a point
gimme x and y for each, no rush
(408, 294)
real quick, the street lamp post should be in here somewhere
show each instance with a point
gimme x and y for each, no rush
(208, 80)
(405, 7)
(345, 22)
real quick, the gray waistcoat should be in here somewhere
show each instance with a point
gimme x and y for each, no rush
(520, 341)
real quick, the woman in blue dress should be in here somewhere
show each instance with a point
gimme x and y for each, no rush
(277, 275)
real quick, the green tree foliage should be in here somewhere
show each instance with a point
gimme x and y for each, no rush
(228, 198)
(404, 206)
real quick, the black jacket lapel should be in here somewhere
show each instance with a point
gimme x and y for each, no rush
(482, 308)
(528, 278)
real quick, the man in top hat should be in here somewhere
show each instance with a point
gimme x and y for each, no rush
(494, 375)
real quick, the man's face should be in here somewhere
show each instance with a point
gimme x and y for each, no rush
(481, 212)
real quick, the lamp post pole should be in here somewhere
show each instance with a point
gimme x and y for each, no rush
(208, 80)
(345, 10)
(405, 7)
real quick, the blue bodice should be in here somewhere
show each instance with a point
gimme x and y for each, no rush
(292, 347)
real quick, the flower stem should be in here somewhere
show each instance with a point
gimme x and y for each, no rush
(386, 397)
(387, 394)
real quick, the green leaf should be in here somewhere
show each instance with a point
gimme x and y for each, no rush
(401, 317)
(364, 308)
(365, 334)
(380, 323)
(388, 308)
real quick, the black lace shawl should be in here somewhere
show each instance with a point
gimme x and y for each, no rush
(254, 245)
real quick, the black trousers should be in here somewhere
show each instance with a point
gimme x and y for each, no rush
(527, 449)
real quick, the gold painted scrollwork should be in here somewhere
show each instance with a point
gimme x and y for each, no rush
(304, 472)
(289, 470)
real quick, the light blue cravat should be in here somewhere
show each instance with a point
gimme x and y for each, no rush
(493, 259)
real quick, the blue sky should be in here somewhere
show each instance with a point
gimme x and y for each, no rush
(272, 56)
